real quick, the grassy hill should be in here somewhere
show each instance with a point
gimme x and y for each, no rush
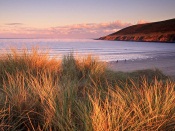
(163, 31)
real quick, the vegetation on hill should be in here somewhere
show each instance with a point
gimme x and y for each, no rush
(42, 93)
(163, 31)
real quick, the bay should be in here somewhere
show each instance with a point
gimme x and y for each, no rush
(103, 50)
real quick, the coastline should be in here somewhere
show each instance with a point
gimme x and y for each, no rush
(137, 41)
(165, 64)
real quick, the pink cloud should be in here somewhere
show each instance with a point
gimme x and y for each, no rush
(142, 22)
(85, 30)
(90, 29)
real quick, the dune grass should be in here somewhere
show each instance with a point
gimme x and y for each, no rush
(42, 93)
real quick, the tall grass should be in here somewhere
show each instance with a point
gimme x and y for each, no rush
(42, 93)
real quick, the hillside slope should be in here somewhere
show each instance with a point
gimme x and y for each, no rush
(163, 31)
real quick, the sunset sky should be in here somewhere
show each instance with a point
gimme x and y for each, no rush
(77, 18)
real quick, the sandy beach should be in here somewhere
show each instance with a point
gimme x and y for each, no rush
(165, 64)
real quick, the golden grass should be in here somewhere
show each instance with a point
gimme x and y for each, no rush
(40, 93)
(149, 107)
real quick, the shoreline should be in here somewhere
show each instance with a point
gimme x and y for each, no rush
(165, 64)
(137, 41)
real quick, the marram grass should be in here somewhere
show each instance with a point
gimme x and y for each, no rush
(42, 93)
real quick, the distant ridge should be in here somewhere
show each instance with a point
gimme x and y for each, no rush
(162, 31)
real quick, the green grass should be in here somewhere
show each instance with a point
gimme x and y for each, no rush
(42, 93)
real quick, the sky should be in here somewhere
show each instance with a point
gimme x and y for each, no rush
(77, 18)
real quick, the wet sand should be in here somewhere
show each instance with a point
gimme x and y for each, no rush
(165, 64)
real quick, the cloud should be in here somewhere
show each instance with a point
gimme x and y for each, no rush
(142, 22)
(14, 24)
(91, 29)
(84, 30)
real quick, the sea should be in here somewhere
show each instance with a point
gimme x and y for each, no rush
(108, 51)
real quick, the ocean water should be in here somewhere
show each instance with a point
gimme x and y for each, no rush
(103, 50)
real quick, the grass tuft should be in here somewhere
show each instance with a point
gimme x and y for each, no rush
(42, 93)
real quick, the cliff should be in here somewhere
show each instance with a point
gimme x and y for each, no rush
(163, 31)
